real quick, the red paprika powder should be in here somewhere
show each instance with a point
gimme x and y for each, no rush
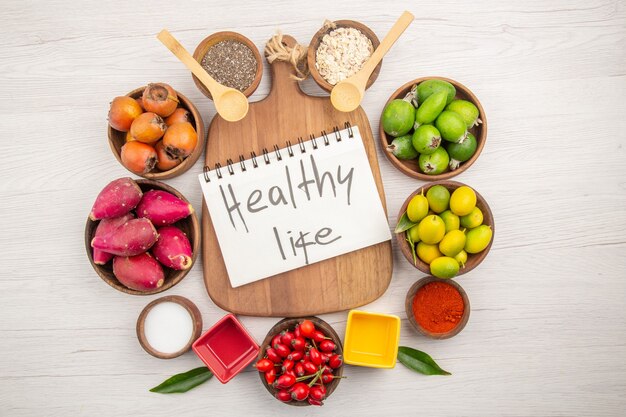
(438, 307)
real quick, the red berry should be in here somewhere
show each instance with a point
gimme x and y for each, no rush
(335, 361)
(318, 336)
(287, 365)
(296, 355)
(282, 350)
(283, 395)
(272, 355)
(315, 402)
(317, 393)
(327, 378)
(270, 376)
(327, 345)
(309, 368)
(299, 391)
(298, 343)
(275, 341)
(286, 338)
(327, 369)
(291, 372)
(316, 357)
(296, 331)
(325, 356)
(264, 365)
(284, 381)
(307, 328)
(299, 369)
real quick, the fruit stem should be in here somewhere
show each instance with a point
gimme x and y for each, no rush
(317, 376)
(302, 378)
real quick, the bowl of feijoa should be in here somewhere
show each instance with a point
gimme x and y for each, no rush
(433, 128)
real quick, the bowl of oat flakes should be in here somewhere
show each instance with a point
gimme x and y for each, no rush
(339, 50)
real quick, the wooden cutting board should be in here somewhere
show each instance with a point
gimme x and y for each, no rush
(336, 284)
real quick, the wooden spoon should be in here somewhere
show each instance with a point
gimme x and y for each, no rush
(230, 103)
(347, 94)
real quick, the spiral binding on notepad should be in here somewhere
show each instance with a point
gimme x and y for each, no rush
(279, 156)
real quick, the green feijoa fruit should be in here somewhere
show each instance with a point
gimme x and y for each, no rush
(478, 239)
(428, 111)
(451, 126)
(426, 139)
(435, 163)
(398, 117)
(473, 219)
(451, 220)
(417, 208)
(462, 151)
(438, 198)
(426, 88)
(452, 243)
(444, 267)
(467, 110)
(402, 148)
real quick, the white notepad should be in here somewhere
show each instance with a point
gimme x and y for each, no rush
(292, 207)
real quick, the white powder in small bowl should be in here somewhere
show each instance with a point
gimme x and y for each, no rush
(168, 327)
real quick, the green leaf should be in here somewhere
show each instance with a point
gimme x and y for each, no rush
(404, 224)
(412, 245)
(184, 382)
(419, 361)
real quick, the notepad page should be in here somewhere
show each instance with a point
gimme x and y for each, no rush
(292, 211)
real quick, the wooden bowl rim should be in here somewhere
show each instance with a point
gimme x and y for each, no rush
(288, 323)
(474, 258)
(481, 138)
(196, 318)
(317, 39)
(408, 306)
(216, 37)
(187, 162)
(177, 275)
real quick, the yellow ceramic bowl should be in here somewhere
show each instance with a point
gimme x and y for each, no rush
(371, 339)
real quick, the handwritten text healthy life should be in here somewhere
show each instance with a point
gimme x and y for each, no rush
(293, 190)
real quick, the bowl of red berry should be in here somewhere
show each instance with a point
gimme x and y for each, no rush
(301, 361)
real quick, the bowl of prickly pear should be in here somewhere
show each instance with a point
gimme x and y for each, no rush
(301, 361)
(142, 236)
(433, 128)
(445, 229)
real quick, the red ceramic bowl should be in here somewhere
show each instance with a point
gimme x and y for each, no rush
(226, 348)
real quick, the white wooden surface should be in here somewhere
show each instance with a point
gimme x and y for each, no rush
(547, 333)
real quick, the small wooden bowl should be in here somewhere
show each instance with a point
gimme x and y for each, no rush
(196, 318)
(317, 39)
(411, 167)
(290, 324)
(117, 139)
(473, 260)
(189, 225)
(217, 37)
(408, 306)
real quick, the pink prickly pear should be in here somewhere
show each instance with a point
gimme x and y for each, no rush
(163, 208)
(172, 248)
(116, 199)
(106, 226)
(132, 238)
(141, 272)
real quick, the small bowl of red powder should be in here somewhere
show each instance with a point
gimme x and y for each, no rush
(437, 308)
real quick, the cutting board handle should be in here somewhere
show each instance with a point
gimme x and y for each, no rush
(282, 71)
